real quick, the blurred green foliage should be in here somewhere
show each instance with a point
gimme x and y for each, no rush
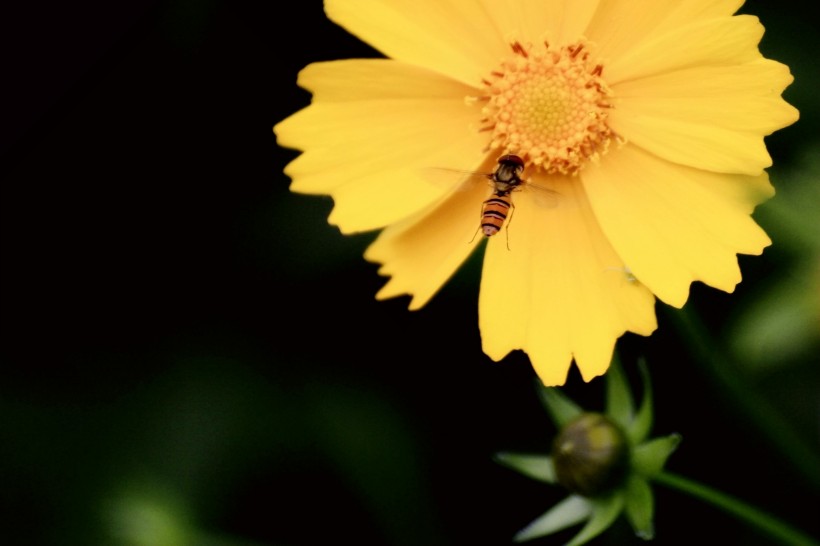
(779, 326)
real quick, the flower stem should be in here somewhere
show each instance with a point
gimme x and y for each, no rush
(764, 521)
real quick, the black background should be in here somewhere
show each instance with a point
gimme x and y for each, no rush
(175, 322)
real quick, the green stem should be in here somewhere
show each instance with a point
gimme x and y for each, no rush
(768, 523)
(745, 399)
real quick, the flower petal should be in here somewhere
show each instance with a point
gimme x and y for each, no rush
(448, 36)
(744, 97)
(422, 252)
(669, 225)
(711, 42)
(710, 117)
(368, 152)
(380, 199)
(560, 291)
(707, 117)
(531, 21)
(694, 144)
(619, 26)
(367, 79)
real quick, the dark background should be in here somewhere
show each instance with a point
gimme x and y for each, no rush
(189, 348)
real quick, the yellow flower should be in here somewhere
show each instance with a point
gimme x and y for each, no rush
(645, 119)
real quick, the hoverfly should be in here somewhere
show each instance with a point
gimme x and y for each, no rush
(505, 179)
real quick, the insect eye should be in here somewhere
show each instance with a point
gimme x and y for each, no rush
(513, 160)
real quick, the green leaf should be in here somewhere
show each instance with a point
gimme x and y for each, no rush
(561, 409)
(619, 404)
(640, 427)
(538, 467)
(570, 511)
(649, 458)
(640, 507)
(604, 512)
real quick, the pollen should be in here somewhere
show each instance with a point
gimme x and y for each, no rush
(549, 106)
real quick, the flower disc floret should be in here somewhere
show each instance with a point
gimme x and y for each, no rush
(550, 107)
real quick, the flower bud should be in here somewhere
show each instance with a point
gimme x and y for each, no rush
(591, 455)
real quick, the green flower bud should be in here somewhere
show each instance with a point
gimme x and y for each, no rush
(591, 455)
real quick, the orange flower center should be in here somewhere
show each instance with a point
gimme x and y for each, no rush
(549, 107)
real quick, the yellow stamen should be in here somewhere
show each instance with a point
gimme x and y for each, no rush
(549, 107)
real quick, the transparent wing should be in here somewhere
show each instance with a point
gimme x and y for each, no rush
(543, 196)
(458, 181)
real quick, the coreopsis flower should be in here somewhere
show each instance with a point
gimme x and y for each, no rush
(605, 460)
(644, 121)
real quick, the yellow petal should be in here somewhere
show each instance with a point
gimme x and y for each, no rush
(621, 25)
(369, 153)
(760, 78)
(451, 37)
(346, 91)
(421, 253)
(743, 97)
(378, 200)
(531, 21)
(742, 192)
(364, 79)
(709, 117)
(694, 144)
(560, 291)
(719, 42)
(673, 225)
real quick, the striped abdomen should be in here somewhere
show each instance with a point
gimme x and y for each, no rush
(494, 213)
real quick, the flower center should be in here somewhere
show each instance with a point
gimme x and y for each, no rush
(549, 107)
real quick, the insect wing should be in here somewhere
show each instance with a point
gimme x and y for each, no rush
(541, 195)
(458, 181)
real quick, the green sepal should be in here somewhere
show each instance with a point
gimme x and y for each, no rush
(639, 429)
(605, 511)
(649, 458)
(539, 467)
(570, 511)
(619, 404)
(562, 410)
(640, 507)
